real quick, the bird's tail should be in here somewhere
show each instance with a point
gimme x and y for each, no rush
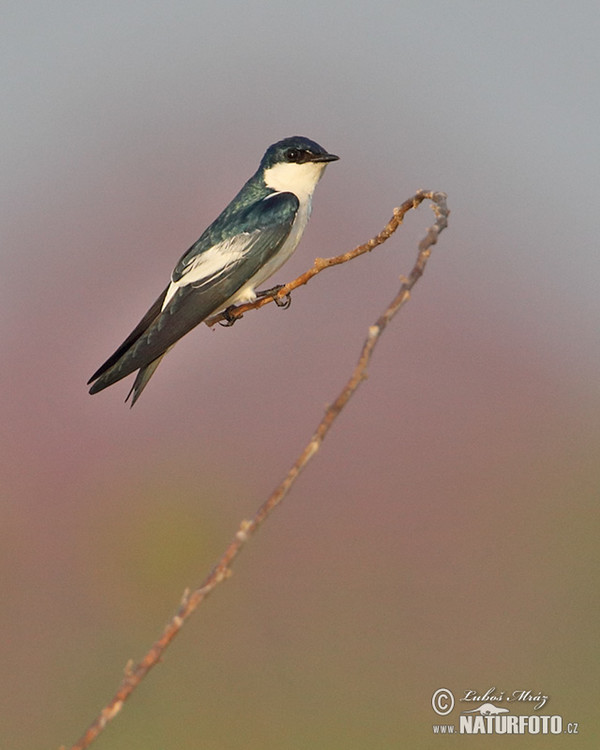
(142, 378)
(119, 364)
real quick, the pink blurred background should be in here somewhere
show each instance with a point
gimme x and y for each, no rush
(446, 534)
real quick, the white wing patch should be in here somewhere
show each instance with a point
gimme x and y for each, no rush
(210, 265)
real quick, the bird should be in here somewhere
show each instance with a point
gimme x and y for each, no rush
(247, 243)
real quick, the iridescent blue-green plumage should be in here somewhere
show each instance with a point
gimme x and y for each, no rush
(238, 250)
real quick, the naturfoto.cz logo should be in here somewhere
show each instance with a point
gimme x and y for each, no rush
(491, 718)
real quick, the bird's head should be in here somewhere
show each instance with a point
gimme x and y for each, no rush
(295, 165)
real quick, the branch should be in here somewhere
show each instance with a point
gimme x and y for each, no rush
(134, 674)
(320, 264)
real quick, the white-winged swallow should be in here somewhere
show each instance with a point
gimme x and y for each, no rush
(244, 246)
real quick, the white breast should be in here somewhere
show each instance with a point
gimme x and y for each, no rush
(300, 179)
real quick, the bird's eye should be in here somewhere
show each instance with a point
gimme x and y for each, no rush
(292, 154)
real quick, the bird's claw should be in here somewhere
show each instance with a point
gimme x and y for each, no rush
(229, 317)
(283, 302)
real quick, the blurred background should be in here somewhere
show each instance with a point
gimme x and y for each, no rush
(446, 534)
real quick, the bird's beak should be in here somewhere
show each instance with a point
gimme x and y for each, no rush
(324, 158)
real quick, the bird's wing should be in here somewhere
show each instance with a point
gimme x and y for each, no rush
(205, 278)
(141, 327)
(276, 211)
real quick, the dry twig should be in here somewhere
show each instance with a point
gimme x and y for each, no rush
(134, 674)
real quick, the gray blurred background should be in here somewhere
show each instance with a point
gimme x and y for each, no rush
(446, 534)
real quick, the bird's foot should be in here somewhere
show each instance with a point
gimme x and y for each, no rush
(283, 302)
(229, 316)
